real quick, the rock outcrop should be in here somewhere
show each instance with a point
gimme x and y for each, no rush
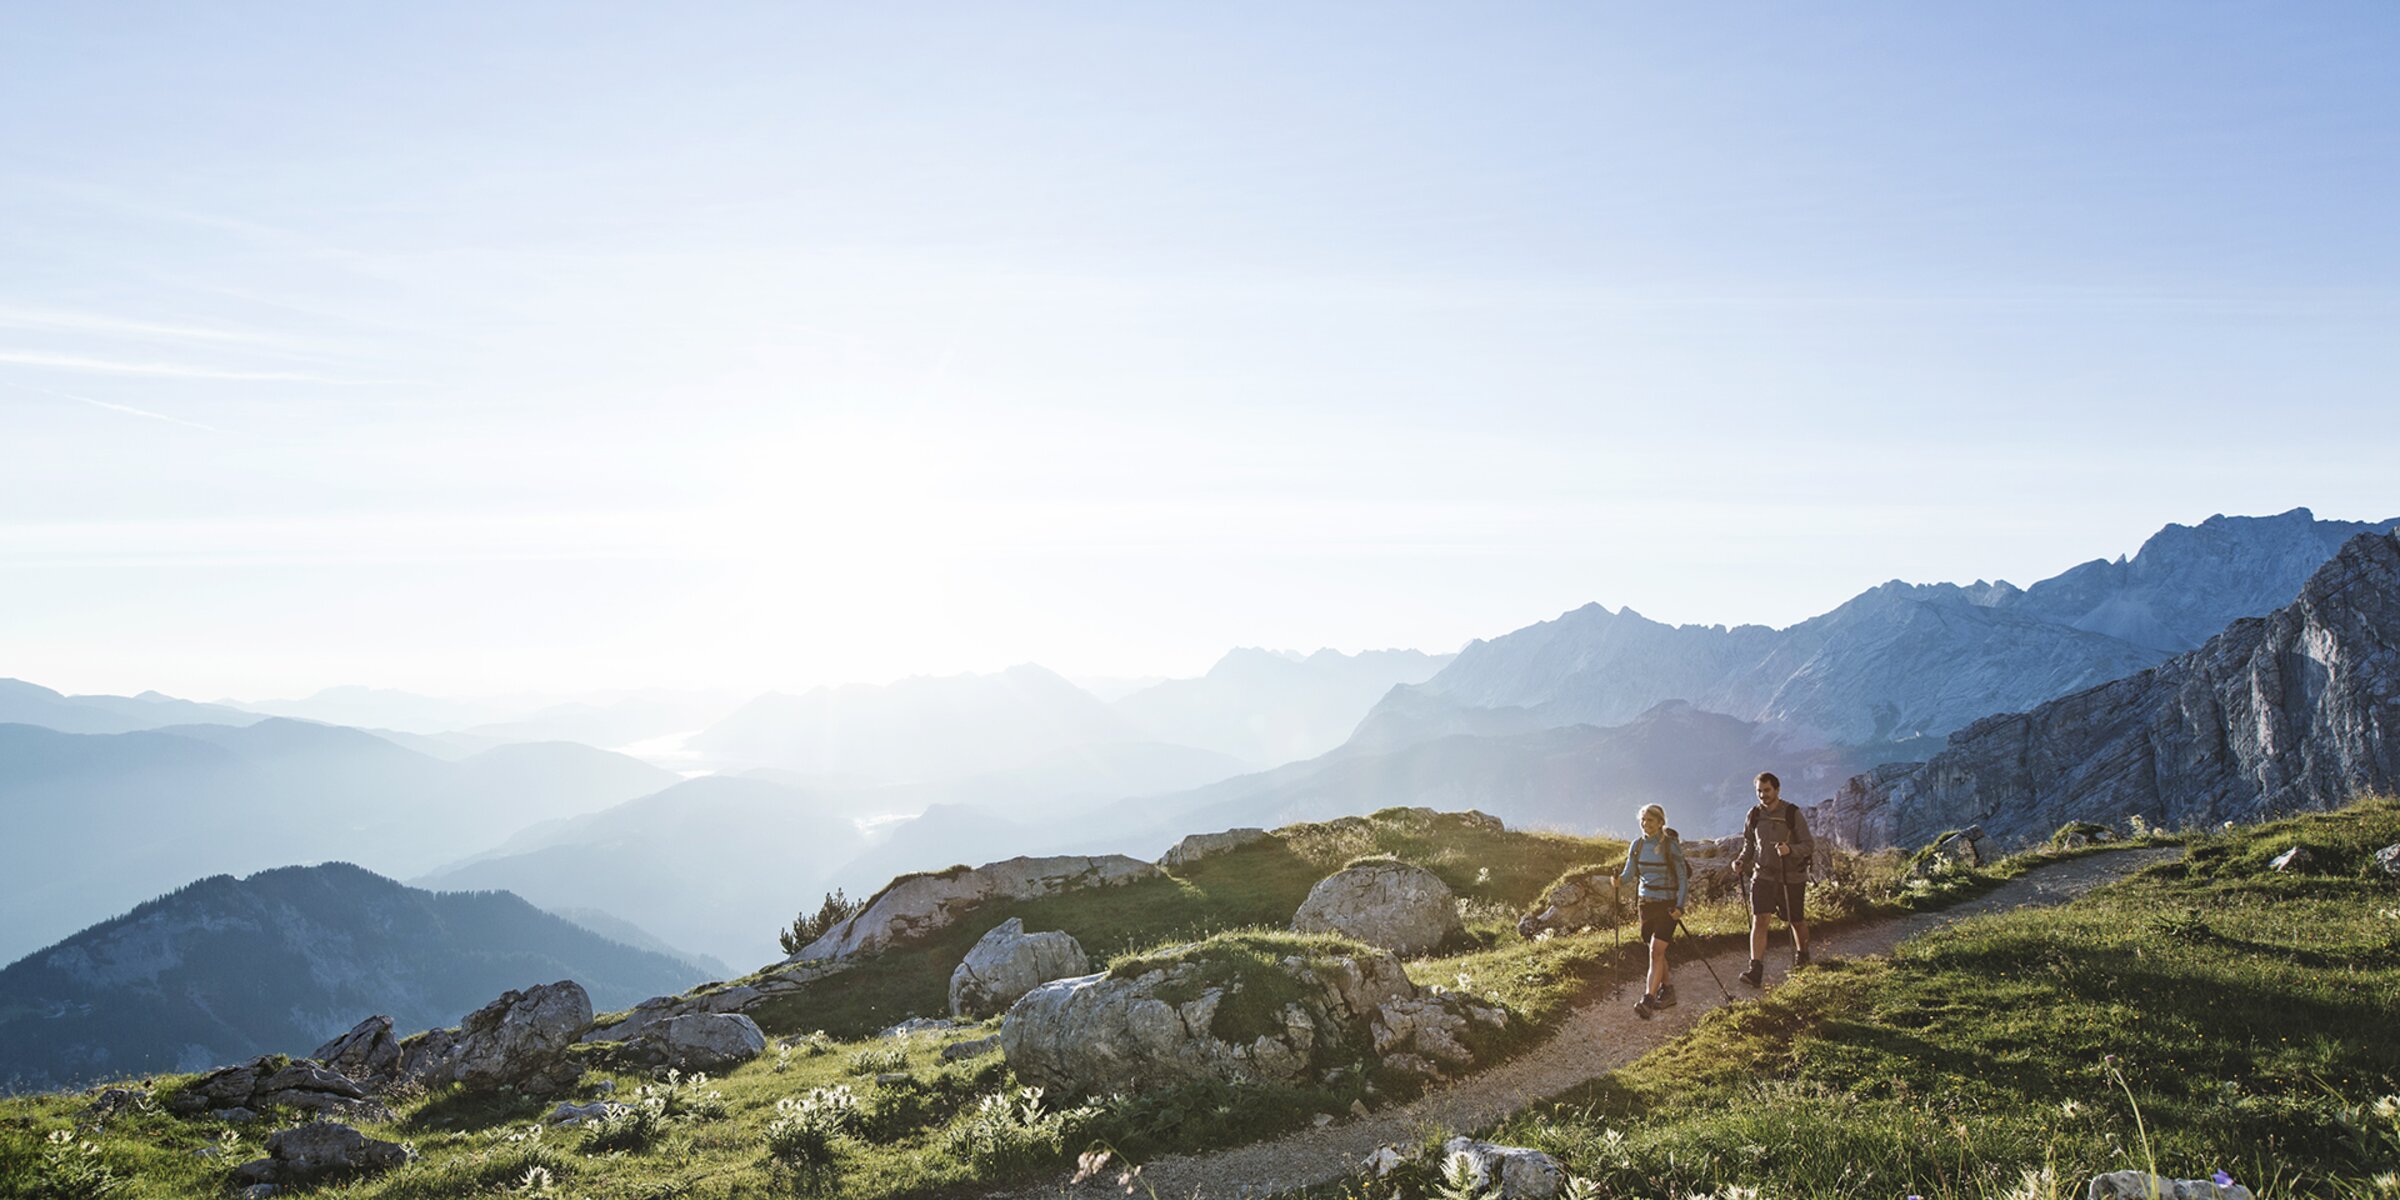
(274, 1080)
(914, 906)
(1009, 962)
(1388, 904)
(318, 1151)
(697, 1042)
(2387, 860)
(2299, 710)
(517, 1041)
(1200, 1018)
(717, 998)
(1582, 899)
(1197, 846)
(369, 1053)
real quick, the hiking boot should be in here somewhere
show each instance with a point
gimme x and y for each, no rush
(1643, 1009)
(1757, 972)
(1664, 997)
(1800, 958)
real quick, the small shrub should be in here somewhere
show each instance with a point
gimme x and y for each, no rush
(71, 1170)
(808, 927)
(633, 1127)
(1008, 1130)
(878, 1060)
(805, 1128)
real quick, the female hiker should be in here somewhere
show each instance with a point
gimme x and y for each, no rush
(1655, 862)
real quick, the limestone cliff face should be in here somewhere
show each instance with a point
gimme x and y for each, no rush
(2296, 710)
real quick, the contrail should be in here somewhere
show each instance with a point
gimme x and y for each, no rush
(123, 408)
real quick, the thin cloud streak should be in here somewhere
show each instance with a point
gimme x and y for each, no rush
(71, 321)
(127, 409)
(103, 366)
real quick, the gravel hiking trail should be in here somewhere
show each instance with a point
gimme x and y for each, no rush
(1597, 1037)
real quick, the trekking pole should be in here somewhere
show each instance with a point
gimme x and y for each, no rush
(1712, 971)
(1616, 929)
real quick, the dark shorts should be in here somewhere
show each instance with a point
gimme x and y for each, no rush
(1786, 900)
(1658, 919)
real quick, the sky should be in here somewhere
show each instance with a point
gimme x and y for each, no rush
(474, 348)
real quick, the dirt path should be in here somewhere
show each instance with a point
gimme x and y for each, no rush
(1596, 1038)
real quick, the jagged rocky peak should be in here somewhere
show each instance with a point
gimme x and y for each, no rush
(2294, 711)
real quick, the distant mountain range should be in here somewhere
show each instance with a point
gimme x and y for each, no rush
(2298, 710)
(97, 822)
(23, 703)
(225, 969)
(1898, 661)
(1267, 709)
(714, 865)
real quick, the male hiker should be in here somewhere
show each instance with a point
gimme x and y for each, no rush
(1775, 854)
(1655, 862)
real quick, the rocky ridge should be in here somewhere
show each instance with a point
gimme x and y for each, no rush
(2294, 711)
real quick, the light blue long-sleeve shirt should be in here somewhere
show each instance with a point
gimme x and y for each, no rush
(1657, 864)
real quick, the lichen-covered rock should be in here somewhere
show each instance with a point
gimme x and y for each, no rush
(2387, 860)
(961, 1051)
(2142, 1185)
(1522, 1173)
(1198, 846)
(1390, 905)
(1196, 1017)
(517, 1041)
(276, 1080)
(369, 1053)
(2296, 711)
(1582, 899)
(700, 1041)
(914, 906)
(317, 1151)
(1009, 962)
(1955, 850)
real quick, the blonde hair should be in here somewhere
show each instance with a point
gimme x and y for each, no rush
(1647, 809)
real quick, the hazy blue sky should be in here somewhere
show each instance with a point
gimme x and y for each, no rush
(469, 347)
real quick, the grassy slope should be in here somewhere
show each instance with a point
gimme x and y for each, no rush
(1256, 886)
(2250, 1012)
(923, 1135)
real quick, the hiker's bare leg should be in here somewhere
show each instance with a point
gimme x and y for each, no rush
(1658, 966)
(1758, 935)
(1799, 937)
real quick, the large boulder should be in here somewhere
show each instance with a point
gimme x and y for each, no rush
(317, 1151)
(1195, 847)
(1232, 1011)
(1586, 898)
(275, 1081)
(518, 1041)
(369, 1053)
(698, 1042)
(1009, 962)
(1387, 904)
(2387, 860)
(914, 906)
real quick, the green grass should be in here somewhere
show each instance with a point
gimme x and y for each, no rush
(2249, 1013)
(954, 1129)
(1254, 886)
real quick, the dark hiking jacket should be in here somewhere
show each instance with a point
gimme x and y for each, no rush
(1761, 831)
